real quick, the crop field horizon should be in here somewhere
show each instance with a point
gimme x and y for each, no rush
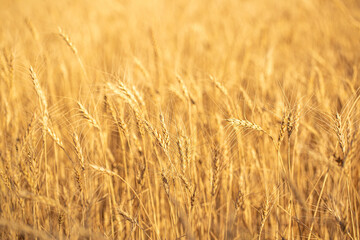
(158, 119)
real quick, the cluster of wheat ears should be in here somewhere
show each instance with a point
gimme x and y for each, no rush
(159, 119)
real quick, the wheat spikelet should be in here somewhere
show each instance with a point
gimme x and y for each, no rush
(9, 59)
(3, 70)
(247, 99)
(39, 91)
(187, 150)
(292, 120)
(185, 181)
(138, 97)
(61, 219)
(239, 201)
(215, 170)
(27, 175)
(264, 215)
(247, 124)
(340, 219)
(55, 138)
(184, 89)
(67, 41)
(161, 141)
(179, 144)
(6, 180)
(103, 170)
(353, 148)
(119, 123)
(85, 114)
(126, 216)
(296, 118)
(32, 29)
(283, 127)
(156, 54)
(193, 197)
(129, 97)
(165, 183)
(164, 131)
(140, 178)
(122, 90)
(290, 123)
(349, 132)
(28, 132)
(339, 133)
(78, 180)
(219, 86)
(142, 69)
(175, 92)
(78, 150)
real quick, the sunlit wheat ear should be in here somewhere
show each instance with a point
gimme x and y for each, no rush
(188, 151)
(138, 97)
(78, 179)
(293, 118)
(156, 53)
(247, 125)
(142, 69)
(221, 87)
(78, 150)
(126, 216)
(165, 182)
(353, 147)
(164, 131)
(118, 121)
(264, 215)
(184, 150)
(55, 138)
(6, 180)
(349, 132)
(340, 218)
(9, 62)
(129, 98)
(61, 219)
(215, 170)
(247, 98)
(127, 93)
(283, 127)
(67, 41)
(179, 144)
(296, 118)
(39, 91)
(184, 89)
(85, 114)
(193, 197)
(338, 128)
(186, 182)
(102, 170)
(32, 29)
(28, 132)
(161, 141)
(239, 202)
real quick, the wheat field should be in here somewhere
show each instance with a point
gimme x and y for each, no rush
(219, 119)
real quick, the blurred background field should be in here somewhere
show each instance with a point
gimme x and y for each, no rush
(158, 119)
